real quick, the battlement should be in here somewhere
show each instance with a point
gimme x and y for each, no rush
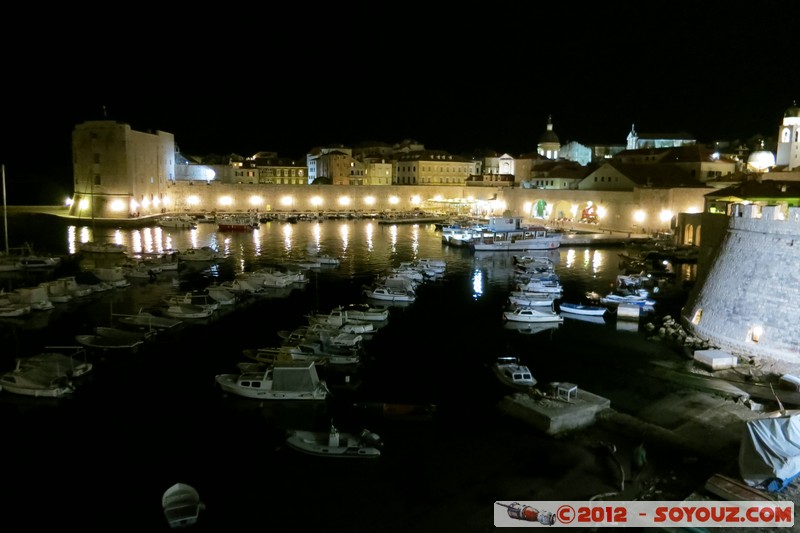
(773, 219)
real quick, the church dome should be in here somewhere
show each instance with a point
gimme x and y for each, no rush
(549, 137)
(793, 111)
(761, 160)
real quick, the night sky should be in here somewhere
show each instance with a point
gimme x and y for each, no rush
(487, 83)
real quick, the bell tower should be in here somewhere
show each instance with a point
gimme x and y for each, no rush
(788, 152)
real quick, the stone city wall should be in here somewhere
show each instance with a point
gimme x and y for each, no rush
(749, 300)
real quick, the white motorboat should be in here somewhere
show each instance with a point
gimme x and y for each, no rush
(328, 335)
(140, 270)
(390, 294)
(339, 318)
(204, 253)
(178, 222)
(327, 260)
(507, 234)
(107, 341)
(182, 505)
(184, 311)
(281, 381)
(359, 311)
(333, 443)
(512, 373)
(532, 299)
(148, 321)
(102, 247)
(191, 298)
(549, 286)
(221, 295)
(114, 276)
(630, 299)
(72, 364)
(582, 309)
(531, 314)
(36, 381)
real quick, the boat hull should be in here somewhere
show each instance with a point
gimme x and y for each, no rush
(520, 245)
(231, 383)
(586, 310)
(345, 446)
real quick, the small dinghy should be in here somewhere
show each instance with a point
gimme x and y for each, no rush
(182, 505)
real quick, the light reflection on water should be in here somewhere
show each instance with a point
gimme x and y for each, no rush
(366, 248)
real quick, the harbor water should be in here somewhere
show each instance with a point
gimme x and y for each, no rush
(143, 421)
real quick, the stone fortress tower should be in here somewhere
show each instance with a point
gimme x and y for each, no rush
(747, 297)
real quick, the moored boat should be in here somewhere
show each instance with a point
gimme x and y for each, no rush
(36, 381)
(178, 222)
(582, 309)
(181, 504)
(512, 373)
(237, 222)
(280, 381)
(531, 314)
(333, 443)
(507, 234)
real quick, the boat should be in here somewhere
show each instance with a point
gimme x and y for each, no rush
(513, 373)
(390, 294)
(552, 286)
(182, 505)
(339, 318)
(532, 328)
(105, 340)
(280, 381)
(29, 260)
(192, 298)
(326, 260)
(178, 222)
(628, 299)
(184, 311)
(582, 309)
(72, 364)
(237, 222)
(328, 335)
(533, 299)
(364, 311)
(203, 253)
(221, 295)
(140, 270)
(333, 443)
(37, 381)
(10, 309)
(114, 276)
(318, 351)
(102, 247)
(148, 321)
(531, 314)
(507, 234)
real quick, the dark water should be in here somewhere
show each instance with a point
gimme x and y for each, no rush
(144, 421)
